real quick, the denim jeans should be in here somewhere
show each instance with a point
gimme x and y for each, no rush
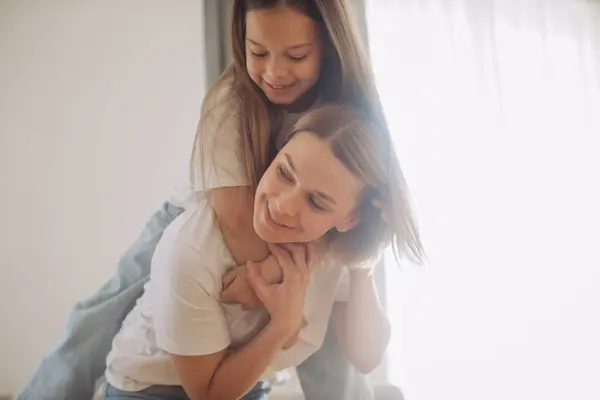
(159, 392)
(73, 368)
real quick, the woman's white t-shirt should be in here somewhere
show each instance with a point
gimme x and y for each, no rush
(180, 313)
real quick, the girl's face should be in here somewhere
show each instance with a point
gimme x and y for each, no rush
(305, 192)
(283, 52)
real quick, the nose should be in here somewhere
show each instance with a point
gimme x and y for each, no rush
(276, 69)
(288, 204)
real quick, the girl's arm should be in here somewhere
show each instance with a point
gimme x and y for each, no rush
(233, 207)
(234, 210)
(362, 326)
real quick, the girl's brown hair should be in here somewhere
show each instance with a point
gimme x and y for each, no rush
(346, 78)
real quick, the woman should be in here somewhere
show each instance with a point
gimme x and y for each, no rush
(329, 186)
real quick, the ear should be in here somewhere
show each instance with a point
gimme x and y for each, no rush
(348, 224)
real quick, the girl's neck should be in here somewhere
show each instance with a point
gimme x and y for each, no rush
(303, 103)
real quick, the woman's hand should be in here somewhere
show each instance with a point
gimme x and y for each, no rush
(285, 301)
(294, 338)
(210, 376)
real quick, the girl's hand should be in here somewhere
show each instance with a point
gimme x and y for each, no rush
(237, 289)
(285, 301)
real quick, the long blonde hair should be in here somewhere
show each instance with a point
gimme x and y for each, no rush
(346, 78)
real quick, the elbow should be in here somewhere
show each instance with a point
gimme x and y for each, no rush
(365, 363)
(201, 393)
(209, 396)
(213, 393)
(198, 394)
(366, 358)
(365, 367)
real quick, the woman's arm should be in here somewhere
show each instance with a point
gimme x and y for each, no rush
(230, 375)
(362, 326)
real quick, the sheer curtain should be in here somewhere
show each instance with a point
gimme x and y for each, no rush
(495, 109)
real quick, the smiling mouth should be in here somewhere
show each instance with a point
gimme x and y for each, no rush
(279, 87)
(276, 221)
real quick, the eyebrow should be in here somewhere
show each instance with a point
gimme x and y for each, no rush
(322, 195)
(297, 46)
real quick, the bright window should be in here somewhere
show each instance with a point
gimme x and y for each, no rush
(495, 109)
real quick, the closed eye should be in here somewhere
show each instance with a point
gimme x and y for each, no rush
(313, 200)
(285, 174)
(298, 58)
(314, 203)
(259, 55)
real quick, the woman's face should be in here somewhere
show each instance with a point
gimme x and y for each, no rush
(305, 192)
(283, 52)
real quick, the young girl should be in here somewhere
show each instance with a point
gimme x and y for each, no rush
(288, 57)
(331, 185)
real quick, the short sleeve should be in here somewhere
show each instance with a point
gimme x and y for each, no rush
(219, 152)
(187, 316)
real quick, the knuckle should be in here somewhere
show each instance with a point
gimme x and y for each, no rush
(304, 280)
(287, 263)
(280, 256)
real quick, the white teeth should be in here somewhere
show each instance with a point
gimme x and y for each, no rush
(278, 86)
(275, 220)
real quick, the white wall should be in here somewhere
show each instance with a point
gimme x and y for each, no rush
(98, 106)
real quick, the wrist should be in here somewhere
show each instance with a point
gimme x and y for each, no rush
(280, 329)
(270, 271)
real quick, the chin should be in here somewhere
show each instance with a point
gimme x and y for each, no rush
(269, 237)
(263, 234)
(282, 101)
(266, 234)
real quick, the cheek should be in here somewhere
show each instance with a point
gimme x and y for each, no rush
(308, 71)
(254, 69)
(268, 184)
(316, 225)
